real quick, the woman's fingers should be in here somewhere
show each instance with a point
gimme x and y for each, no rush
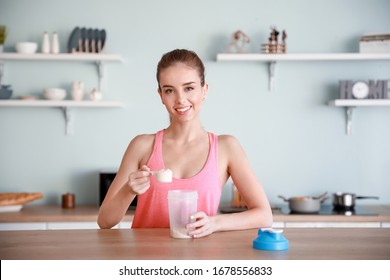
(139, 181)
(201, 227)
(145, 168)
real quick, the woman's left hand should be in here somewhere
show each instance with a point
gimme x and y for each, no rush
(203, 225)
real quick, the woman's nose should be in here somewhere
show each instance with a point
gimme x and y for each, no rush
(180, 96)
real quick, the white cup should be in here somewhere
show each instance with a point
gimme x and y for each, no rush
(77, 90)
(181, 205)
(77, 94)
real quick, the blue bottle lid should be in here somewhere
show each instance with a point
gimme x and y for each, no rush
(270, 239)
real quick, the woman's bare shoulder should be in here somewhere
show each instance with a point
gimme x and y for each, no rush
(142, 142)
(139, 149)
(228, 141)
(229, 146)
(143, 139)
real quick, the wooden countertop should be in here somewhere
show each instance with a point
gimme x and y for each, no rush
(156, 244)
(54, 213)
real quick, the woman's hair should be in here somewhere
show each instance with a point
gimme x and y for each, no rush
(189, 58)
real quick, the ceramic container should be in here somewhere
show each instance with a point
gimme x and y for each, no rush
(26, 47)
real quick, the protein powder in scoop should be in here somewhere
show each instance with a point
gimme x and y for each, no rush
(163, 176)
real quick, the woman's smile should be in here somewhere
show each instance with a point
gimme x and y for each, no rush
(182, 110)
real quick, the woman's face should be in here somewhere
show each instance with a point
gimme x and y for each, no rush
(181, 92)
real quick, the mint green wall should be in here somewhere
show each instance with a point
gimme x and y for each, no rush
(296, 143)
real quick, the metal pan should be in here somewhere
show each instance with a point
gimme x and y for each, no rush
(347, 200)
(305, 204)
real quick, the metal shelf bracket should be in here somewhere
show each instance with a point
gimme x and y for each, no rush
(349, 111)
(100, 68)
(271, 67)
(1, 71)
(68, 120)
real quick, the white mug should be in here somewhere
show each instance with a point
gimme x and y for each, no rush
(77, 90)
(77, 94)
(78, 85)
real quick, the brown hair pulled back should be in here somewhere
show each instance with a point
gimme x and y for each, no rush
(187, 57)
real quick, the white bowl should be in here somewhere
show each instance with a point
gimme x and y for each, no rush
(26, 47)
(54, 93)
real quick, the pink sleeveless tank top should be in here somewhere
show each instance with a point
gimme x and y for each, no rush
(152, 206)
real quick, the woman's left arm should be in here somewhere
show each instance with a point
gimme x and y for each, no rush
(258, 215)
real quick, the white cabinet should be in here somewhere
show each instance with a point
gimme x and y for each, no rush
(330, 225)
(385, 224)
(72, 225)
(278, 225)
(127, 225)
(23, 226)
(66, 105)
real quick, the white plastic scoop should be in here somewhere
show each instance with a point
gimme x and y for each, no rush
(163, 175)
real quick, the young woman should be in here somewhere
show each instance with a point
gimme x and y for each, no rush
(199, 160)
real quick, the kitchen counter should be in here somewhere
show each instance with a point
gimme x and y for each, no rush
(55, 213)
(382, 211)
(142, 244)
(84, 213)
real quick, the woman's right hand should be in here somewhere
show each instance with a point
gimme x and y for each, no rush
(139, 181)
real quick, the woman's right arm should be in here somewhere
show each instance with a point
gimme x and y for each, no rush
(129, 181)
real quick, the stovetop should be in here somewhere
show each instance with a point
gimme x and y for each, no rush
(329, 210)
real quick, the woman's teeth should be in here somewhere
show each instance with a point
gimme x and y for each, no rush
(182, 110)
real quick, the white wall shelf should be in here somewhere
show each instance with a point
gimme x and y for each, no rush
(93, 57)
(61, 104)
(359, 102)
(300, 57)
(65, 105)
(97, 58)
(271, 59)
(351, 104)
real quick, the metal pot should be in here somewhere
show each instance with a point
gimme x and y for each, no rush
(347, 200)
(305, 204)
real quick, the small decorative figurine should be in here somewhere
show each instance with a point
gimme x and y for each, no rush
(238, 42)
(273, 45)
(284, 36)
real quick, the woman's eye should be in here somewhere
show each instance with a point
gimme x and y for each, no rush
(189, 88)
(169, 90)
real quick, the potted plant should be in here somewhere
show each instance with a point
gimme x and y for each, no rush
(3, 36)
